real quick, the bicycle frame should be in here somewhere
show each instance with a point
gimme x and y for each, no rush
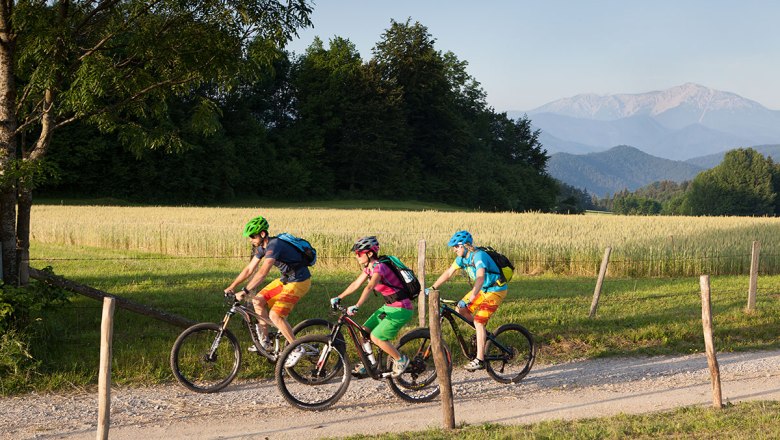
(247, 315)
(354, 328)
(449, 314)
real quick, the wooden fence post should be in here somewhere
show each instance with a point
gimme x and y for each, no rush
(421, 277)
(104, 374)
(751, 303)
(706, 321)
(440, 360)
(602, 273)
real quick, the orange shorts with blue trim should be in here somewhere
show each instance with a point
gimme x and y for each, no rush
(281, 298)
(485, 304)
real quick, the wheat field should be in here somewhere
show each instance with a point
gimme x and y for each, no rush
(537, 243)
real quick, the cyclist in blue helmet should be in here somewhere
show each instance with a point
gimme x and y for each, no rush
(487, 291)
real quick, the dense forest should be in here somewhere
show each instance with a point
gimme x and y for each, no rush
(409, 123)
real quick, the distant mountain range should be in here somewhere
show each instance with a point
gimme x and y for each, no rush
(626, 167)
(679, 123)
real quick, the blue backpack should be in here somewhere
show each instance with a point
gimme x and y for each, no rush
(307, 250)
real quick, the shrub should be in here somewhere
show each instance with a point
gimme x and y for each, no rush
(19, 307)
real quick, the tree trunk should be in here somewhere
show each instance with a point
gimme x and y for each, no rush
(26, 185)
(23, 235)
(8, 125)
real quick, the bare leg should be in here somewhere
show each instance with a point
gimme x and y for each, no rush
(481, 338)
(388, 347)
(466, 313)
(281, 323)
(260, 308)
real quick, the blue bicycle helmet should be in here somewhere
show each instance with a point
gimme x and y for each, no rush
(461, 237)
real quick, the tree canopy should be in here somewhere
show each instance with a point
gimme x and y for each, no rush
(407, 123)
(125, 67)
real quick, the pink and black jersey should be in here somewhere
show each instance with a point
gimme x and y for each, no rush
(388, 283)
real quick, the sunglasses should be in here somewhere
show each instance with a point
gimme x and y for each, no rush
(253, 236)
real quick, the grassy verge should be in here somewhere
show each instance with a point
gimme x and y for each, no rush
(635, 316)
(747, 420)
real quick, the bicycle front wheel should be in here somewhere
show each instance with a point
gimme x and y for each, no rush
(510, 355)
(318, 326)
(320, 376)
(418, 382)
(205, 358)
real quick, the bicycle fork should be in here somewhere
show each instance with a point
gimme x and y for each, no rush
(212, 354)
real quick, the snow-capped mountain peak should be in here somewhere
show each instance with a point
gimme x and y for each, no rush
(690, 96)
(678, 123)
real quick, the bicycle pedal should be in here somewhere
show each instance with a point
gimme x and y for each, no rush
(360, 375)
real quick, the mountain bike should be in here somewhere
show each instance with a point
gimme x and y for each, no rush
(509, 352)
(205, 357)
(322, 375)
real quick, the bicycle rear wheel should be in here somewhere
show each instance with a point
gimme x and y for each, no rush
(319, 378)
(510, 355)
(204, 358)
(418, 382)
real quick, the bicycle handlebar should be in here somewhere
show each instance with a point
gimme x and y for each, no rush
(338, 308)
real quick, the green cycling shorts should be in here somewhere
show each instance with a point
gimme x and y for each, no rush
(386, 329)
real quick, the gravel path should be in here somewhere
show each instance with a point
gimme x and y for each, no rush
(256, 410)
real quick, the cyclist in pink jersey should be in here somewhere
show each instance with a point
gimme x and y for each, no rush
(387, 321)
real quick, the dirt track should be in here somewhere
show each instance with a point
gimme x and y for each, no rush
(255, 409)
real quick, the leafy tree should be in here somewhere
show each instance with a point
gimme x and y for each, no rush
(409, 64)
(741, 185)
(346, 127)
(571, 200)
(462, 151)
(635, 205)
(662, 191)
(116, 64)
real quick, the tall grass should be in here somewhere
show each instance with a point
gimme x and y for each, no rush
(537, 243)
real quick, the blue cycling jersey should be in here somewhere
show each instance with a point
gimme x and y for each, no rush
(480, 259)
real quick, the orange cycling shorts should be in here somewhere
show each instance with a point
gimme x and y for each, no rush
(484, 304)
(281, 298)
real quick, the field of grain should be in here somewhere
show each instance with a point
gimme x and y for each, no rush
(537, 243)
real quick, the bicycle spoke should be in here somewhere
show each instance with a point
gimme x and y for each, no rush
(204, 359)
(418, 383)
(510, 354)
(318, 379)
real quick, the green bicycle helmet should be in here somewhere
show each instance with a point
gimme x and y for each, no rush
(255, 226)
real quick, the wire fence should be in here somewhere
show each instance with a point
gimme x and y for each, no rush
(154, 279)
(621, 266)
(83, 318)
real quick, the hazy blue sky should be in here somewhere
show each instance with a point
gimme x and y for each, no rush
(526, 54)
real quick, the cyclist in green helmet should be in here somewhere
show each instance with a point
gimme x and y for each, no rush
(277, 299)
